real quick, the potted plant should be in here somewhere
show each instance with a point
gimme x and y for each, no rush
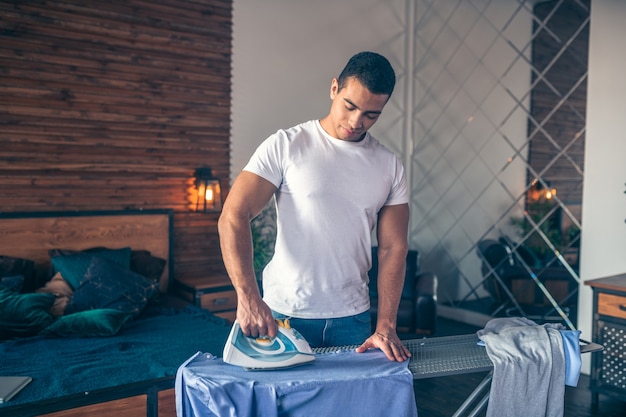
(546, 214)
(263, 229)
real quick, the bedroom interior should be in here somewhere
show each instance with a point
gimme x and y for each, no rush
(114, 109)
(111, 108)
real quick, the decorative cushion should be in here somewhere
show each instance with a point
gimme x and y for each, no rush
(12, 268)
(143, 263)
(89, 323)
(23, 315)
(109, 285)
(74, 266)
(15, 282)
(64, 252)
(62, 291)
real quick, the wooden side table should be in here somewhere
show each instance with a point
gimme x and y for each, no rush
(214, 293)
(608, 368)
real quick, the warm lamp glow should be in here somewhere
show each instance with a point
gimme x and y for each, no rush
(537, 192)
(209, 196)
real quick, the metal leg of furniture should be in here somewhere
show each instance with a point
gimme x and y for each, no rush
(482, 389)
(481, 406)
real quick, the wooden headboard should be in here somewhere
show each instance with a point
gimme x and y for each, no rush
(31, 235)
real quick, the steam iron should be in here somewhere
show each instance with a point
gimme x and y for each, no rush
(287, 349)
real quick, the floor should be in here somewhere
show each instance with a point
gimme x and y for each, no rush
(441, 397)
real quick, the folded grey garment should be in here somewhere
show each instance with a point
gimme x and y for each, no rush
(529, 368)
(499, 324)
(571, 342)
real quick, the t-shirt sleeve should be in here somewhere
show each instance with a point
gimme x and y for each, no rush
(266, 161)
(398, 194)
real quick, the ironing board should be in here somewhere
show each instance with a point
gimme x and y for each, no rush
(343, 383)
(431, 357)
(454, 355)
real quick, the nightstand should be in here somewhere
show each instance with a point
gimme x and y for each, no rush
(214, 293)
(608, 367)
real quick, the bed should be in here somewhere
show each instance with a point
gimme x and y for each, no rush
(112, 345)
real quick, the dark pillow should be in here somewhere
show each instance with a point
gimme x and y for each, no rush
(64, 252)
(108, 285)
(143, 263)
(15, 282)
(74, 266)
(90, 323)
(11, 268)
(23, 315)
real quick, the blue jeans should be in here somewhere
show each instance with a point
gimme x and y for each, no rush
(351, 330)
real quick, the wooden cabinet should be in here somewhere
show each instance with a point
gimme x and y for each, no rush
(215, 293)
(608, 368)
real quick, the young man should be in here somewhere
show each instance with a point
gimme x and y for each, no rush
(333, 183)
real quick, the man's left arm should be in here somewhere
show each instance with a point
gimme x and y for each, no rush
(392, 230)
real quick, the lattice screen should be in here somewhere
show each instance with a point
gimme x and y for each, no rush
(497, 144)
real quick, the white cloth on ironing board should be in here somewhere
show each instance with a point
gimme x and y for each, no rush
(529, 368)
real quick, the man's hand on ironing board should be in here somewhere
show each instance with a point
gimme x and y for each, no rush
(255, 318)
(389, 343)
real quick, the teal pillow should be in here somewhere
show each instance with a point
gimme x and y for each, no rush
(108, 285)
(74, 266)
(23, 315)
(89, 323)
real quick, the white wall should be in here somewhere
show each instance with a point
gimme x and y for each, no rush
(603, 240)
(285, 54)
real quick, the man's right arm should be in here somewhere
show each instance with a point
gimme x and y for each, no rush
(247, 197)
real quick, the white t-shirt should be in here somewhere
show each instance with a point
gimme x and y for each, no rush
(329, 194)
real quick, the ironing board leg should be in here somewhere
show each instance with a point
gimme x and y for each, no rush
(483, 386)
(480, 406)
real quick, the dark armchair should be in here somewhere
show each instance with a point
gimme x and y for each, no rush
(418, 306)
(507, 275)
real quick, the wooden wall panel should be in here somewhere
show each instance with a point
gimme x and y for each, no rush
(113, 105)
(559, 99)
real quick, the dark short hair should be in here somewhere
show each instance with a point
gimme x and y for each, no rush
(372, 70)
